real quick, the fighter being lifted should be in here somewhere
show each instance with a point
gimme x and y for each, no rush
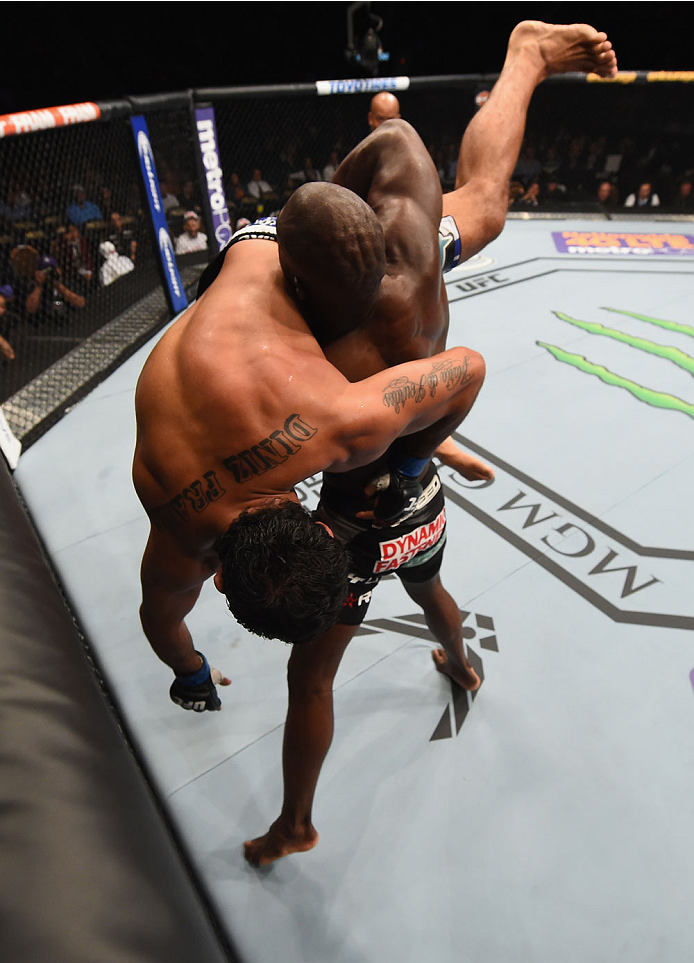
(368, 279)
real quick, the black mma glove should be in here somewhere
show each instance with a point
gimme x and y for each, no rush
(196, 691)
(399, 500)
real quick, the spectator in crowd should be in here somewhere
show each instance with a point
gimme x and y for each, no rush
(331, 166)
(73, 258)
(644, 197)
(6, 349)
(17, 208)
(47, 299)
(189, 197)
(133, 200)
(233, 185)
(310, 172)
(684, 199)
(528, 167)
(115, 265)
(551, 163)
(531, 198)
(257, 186)
(607, 195)
(553, 192)
(168, 199)
(384, 106)
(192, 238)
(515, 192)
(307, 173)
(122, 237)
(594, 159)
(107, 203)
(81, 210)
(573, 171)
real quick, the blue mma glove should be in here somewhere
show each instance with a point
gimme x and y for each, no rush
(399, 500)
(196, 691)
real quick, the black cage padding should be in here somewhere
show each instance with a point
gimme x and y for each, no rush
(89, 870)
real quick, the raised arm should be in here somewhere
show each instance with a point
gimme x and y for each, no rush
(171, 585)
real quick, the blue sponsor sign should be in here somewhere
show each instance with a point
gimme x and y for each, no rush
(209, 154)
(177, 294)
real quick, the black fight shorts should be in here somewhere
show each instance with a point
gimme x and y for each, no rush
(412, 550)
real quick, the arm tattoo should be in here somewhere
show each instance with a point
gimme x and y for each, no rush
(249, 463)
(451, 373)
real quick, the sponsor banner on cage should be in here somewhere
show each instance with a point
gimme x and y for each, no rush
(145, 153)
(209, 154)
(623, 243)
(30, 120)
(364, 85)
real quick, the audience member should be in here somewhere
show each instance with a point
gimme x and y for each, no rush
(73, 258)
(45, 298)
(384, 106)
(331, 166)
(644, 197)
(683, 202)
(81, 210)
(18, 208)
(257, 186)
(607, 195)
(122, 237)
(189, 196)
(531, 198)
(107, 203)
(528, 167)
(192, 238)
(168, 199)
(553, 192)
(115, 265)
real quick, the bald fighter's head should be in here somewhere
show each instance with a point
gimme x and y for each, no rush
(384, 106)
(333, 254)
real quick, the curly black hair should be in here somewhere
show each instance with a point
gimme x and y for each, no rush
(283, 575)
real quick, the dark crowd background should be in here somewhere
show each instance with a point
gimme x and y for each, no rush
(72, 52)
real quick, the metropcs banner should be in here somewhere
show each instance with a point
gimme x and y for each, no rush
(174, 285)
(209, 155)
(623, 243)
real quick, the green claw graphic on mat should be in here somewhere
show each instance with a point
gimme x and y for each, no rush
(658, 399)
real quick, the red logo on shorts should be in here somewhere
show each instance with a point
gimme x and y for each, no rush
(397, 551)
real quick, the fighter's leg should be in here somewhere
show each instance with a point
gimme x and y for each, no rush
(493, 139)
(308, 734)
(446, 625)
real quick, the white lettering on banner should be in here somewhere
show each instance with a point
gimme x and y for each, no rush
(144, 149)
(360, 86)
(397, 551)
(213, 175)
(78, 113)
(166, 248)
(33, 120)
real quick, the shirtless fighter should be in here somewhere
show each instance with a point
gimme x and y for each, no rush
(393, 172)
(235, 405)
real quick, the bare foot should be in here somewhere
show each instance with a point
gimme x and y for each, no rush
(277, 843)
(464, 675)
(562, 48)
